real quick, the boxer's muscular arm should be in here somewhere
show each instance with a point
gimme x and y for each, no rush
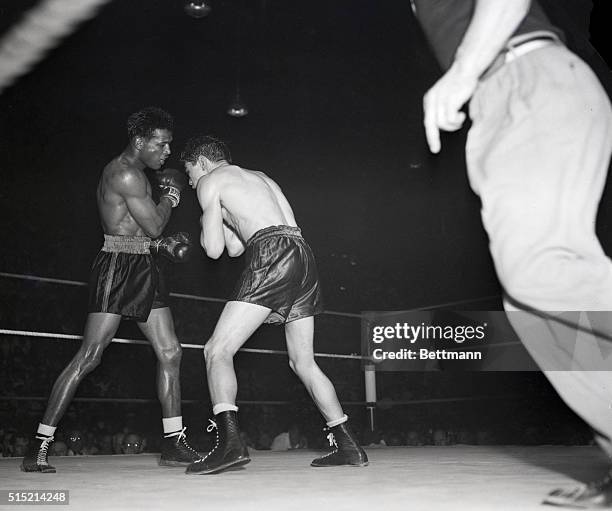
(493, 23)
(151, 217)
(212, 238)
(233, 243)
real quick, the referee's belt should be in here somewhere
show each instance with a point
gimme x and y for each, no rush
(518, 46)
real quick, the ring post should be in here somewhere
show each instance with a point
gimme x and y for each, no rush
(370, 391)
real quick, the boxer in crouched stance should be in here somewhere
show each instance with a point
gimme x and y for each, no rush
(245, 210)
(125, 282)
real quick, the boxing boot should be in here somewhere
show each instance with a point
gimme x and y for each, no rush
(36, 458)
(346, 449)
(229, 450)
(175, 451)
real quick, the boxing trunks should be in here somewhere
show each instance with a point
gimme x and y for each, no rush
(280, 274)
(125, 279)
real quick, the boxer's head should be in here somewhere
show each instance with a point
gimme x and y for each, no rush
(150, 134)
(202, 154)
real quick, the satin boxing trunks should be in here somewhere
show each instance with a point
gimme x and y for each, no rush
(125, 279)
(280, 274)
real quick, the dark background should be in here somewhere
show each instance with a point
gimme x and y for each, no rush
(334, 91)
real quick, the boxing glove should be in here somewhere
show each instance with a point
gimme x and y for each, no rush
(171, 182)
(177, 248)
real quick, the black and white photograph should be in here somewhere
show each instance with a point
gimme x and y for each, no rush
(281, 255)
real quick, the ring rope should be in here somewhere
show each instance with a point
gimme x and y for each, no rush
(381, 403)
(49, 335)
(147, 400)
(221, 300)
(41, 29)
(524, 307)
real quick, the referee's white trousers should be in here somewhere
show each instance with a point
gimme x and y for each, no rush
(537, 155)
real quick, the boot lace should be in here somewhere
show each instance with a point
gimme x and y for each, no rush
(182, 441)
(209, 429)
(41, 458)
(332, 443)
(332, 440)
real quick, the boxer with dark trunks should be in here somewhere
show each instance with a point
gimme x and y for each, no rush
(125, 283)
(245, 210)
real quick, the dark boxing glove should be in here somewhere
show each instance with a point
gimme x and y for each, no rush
(171, 182)
(177, 248)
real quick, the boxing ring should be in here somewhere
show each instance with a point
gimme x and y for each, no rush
(429, 478)
(474, 477)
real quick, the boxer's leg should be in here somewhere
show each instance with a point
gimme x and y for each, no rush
(299, 336)
(159, 330)
(236, 324)
(100, 328)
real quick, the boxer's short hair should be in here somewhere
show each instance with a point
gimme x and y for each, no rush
(144, 122)
(205, 145)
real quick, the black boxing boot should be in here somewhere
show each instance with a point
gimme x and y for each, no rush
(347, 450)
(175, 451)
(229, 450)
(36, 459)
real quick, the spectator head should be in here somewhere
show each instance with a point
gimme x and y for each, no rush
(75, 441)
(132, 444)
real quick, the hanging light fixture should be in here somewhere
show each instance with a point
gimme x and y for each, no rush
(197, 9)
(237, 107)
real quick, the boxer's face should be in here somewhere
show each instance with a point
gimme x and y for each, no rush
(193, 170)
(155, 150)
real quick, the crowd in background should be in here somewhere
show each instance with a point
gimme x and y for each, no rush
(116, 408)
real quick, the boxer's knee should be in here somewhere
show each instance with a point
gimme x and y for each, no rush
(87, 360)
(171, 355)
(302, 365)
(217, 351)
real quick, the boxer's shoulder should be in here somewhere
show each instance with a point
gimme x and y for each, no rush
(126, 179)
